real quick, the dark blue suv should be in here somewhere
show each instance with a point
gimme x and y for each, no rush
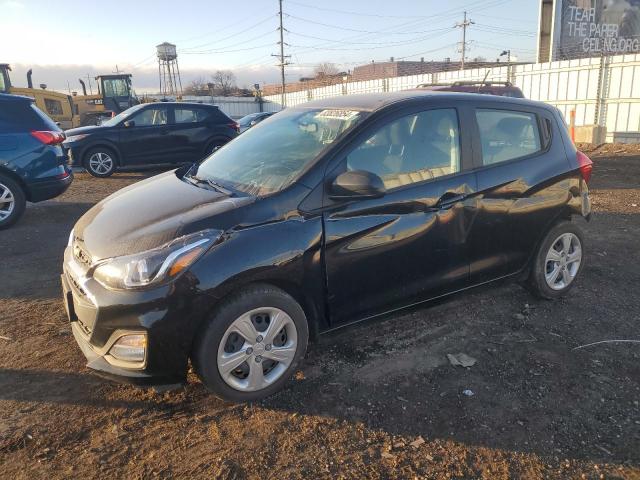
(32, 163)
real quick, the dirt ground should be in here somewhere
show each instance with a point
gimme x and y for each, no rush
(376, 400)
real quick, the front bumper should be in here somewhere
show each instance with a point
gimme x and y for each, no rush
(99, 317)
(74, 152)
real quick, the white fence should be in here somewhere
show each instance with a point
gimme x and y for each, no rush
(602, 91)
(235, 107)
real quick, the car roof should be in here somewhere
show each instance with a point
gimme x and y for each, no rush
(182, 104)
(14, 98)
(370, 102)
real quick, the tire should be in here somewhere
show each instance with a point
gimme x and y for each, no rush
(565, 269)
(12, 201)
(100, 162)
(221, 342)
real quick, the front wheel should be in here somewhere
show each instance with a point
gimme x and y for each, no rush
(252, 344)
(558, 261)
(100, 162)
(12, 202)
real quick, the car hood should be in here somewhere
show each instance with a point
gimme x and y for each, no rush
(85, 130)
(149, 214)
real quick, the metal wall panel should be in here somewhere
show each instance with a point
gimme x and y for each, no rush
(569, 85)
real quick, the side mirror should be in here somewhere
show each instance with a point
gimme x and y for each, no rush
(357, 184)
(129, 124)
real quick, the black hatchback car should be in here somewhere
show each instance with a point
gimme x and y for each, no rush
(329, 213)
(152, 133)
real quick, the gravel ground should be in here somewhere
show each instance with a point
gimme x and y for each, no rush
(376, 400)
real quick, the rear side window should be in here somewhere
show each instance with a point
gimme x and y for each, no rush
(191, 115)
(41, 119)
(22, 116)
(506, 135)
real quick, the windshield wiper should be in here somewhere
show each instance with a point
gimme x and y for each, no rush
(219, 187)
(201, 181)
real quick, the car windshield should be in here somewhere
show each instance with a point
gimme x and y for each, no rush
(269, 157)
(121, 116)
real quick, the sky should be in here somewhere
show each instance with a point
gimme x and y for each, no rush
(64, 40)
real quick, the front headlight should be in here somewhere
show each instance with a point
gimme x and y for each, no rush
(75, 138)
(154, 266)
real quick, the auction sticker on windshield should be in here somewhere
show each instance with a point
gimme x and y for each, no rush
(338, 114)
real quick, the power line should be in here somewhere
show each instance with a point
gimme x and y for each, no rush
(232, 46)
(362, 43)
(230, 36)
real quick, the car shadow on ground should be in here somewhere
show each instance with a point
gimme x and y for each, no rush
(532, 392)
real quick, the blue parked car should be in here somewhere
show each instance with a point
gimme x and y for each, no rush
(32, 163)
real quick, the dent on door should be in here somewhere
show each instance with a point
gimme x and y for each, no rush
(384, 253)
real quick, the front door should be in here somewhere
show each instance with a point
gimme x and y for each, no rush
(147, 140)
(411, 244)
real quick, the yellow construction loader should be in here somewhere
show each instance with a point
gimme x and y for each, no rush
(115, 95)
(55, 104)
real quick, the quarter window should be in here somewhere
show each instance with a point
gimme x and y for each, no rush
(506, 135)
(411, 149)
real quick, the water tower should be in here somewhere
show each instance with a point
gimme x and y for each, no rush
(168, 71)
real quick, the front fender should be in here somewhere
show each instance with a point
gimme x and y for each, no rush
(285, 253)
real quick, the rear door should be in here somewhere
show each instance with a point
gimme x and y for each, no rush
(148, 140)
(520, 164)
(189, 133)
(411, 244)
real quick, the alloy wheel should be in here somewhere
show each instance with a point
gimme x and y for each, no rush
(563, 261)
(257, 349)
(7, 202)
(101, 163)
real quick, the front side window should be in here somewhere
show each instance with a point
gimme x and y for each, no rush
(150, 117)
(411, 149)
(115, 87)
(506, 135)
(263, 161)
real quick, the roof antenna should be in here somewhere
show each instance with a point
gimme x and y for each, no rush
(484, 79)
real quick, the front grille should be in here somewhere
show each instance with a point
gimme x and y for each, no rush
(81, 255)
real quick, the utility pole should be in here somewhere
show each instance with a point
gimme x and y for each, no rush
(282, 56)
(466, 23)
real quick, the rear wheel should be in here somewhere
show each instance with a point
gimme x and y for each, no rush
(12, 201)
(100, 162)
(558, 261)
(252, 344)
